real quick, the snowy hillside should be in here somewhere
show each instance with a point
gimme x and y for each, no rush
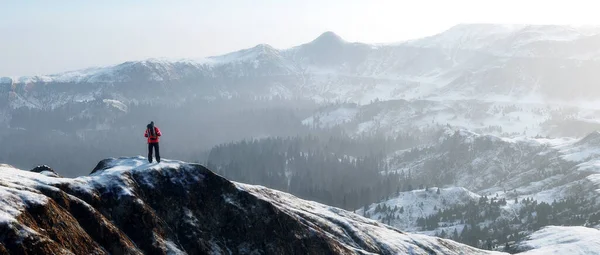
(406, 208)
(518, 186)
(563, 240)
(129, 206)
(543, 168)
(502, 118)
(499, 79)
(456, 62)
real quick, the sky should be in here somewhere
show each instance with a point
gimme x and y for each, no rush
(44, 37)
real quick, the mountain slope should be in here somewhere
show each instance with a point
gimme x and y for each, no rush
(404, 210)
(480, 76)
(466, 61)
(562, 240)
(520, 185)
(127, 206)
(545, 169)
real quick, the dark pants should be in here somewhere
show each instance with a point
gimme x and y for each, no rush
(155, 146)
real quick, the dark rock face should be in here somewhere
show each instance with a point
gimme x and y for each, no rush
(193, 213)
(46, 170)
(130, 207)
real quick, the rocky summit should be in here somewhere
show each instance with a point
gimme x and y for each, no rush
(128, 206)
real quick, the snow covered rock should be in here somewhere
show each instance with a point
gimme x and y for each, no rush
(45, 170)
(6, 80)
(562, 240)
(127, 206)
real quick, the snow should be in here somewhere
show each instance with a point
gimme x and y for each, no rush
(333, 118)
(94, 74)
(6, 80)
(190, 218)
(578, 153)
(113, 176)
(168, 246)
(345, 225)
(490, 37)
(457, 93)
(473, 36)
(245, 55)
(420, 204)
(19, 189)
(160, 68)
(116, 104)
(541, 169)
(563, 240)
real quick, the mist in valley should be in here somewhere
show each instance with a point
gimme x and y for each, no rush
(480, 133)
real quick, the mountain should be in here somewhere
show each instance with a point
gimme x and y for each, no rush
(497, 191)
(500, 118)
(489, 164)
(127, 206)
(562, 240)
(409, 206)
(467, 76)
(514, 60)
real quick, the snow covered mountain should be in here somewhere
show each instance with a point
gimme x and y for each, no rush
(464, 76)
(496, 189)
(127, 206)
(501, 118)
(408, 207)
(488, 164)
(500, 94)
(562, 240)
(466, 60)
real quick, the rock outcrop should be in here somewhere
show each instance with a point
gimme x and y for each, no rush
(127, 206)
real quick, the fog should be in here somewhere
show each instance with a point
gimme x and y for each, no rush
(477, 132)
(58, 36)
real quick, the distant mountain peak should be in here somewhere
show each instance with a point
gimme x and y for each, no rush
(263, 46)
(249, 54)
(592, 138)
(264, 49)
(329, 37)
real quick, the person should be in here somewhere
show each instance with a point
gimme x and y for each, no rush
(153, 134)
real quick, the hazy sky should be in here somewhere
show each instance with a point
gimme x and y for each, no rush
(42, 37)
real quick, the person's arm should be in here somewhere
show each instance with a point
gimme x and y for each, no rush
(158, 132)
(146, 133)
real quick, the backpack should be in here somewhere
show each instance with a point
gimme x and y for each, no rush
(151, 131)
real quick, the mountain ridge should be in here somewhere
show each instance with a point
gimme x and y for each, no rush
(127, 206)
(331, 39)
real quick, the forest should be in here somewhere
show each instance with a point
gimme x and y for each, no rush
(334, 169)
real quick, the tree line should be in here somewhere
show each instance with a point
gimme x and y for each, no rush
(335, 169)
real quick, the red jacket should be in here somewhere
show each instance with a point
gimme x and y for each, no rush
(154, 139)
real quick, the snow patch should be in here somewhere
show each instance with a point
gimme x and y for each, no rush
(563, 240)
(116, 104)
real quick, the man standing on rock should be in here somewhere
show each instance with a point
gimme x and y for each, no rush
(153, 134)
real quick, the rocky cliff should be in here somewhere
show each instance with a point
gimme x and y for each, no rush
(127, 206)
